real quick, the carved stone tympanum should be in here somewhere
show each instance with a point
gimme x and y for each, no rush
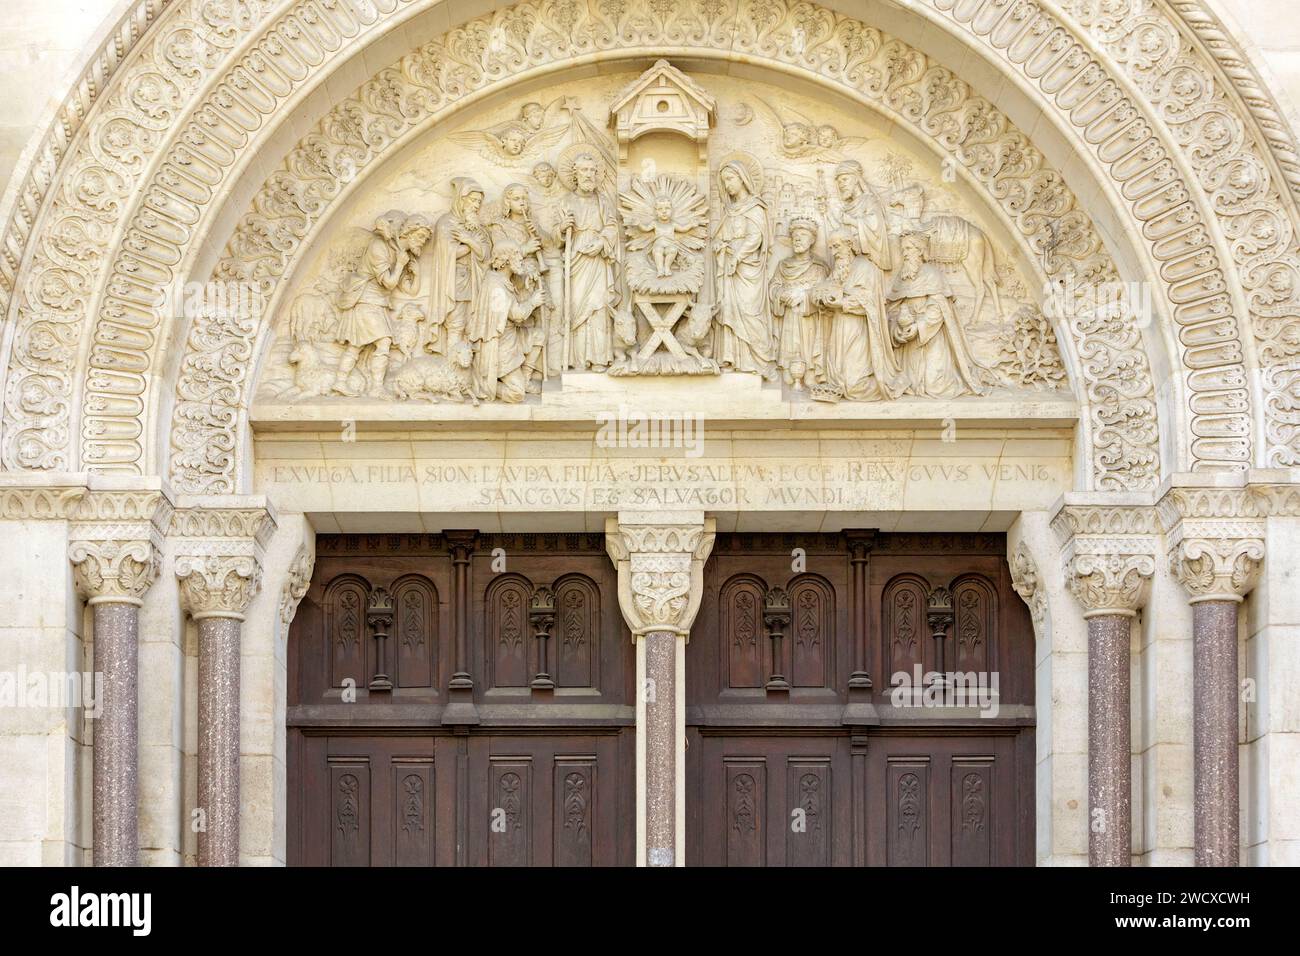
(683, 241)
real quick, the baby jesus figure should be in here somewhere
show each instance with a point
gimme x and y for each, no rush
(665, 221)
(672, 237)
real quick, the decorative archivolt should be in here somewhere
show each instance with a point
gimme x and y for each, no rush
(85, 179)
(1247, 192)
(196, 89)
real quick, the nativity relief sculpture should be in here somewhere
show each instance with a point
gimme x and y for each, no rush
(684, 241)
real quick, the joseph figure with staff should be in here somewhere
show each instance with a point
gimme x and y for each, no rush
(588, 229)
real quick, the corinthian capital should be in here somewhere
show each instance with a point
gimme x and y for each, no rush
(218, 585)
(219, 547)
(1214, 527)
(1110, 583)
(1109, 547)
(114, 539)
(660, 560)
(1217, 569)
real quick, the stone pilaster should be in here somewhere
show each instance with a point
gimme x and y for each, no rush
(219, 566)
(1272, 666)
(1109, 547)
(660, 560)
(1215, 535)
(114, 539)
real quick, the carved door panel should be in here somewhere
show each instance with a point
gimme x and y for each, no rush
(373, 800)
(765, 800)
(949, 800)
(547, 801)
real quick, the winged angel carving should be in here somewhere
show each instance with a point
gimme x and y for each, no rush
(801, 138)
(522, 140)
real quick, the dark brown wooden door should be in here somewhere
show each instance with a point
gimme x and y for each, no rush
(792, 762)
(544, 778)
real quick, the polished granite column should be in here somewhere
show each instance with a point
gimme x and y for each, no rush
(659, 726)
(1109, 545)
(1110, 739)
(219, 568)
(114, 539)
(1217, 572)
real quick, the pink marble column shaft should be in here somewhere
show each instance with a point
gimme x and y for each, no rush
(1110, 768)
(219, 739)
(115, 785)
(661, 748)
(1217, 791)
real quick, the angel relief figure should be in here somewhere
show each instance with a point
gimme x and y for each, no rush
(666, 223)
(801, 138)
(522, 140)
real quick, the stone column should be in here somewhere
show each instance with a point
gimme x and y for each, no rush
(1109, 558)
(1216, 545)
(114, 543)
(660, 560)
(219, 566)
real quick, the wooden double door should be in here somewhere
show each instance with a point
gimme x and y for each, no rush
(811, 738)
(480, 799)
(461, 700)
(791, 759)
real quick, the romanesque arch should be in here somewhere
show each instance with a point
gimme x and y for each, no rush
(1157, 88)
(224, 143)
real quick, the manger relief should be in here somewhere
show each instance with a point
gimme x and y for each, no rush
(679, 238)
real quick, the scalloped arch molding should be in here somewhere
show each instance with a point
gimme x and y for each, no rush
(1185, 163)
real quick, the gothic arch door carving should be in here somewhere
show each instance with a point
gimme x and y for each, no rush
(791, 762)
(533, 766)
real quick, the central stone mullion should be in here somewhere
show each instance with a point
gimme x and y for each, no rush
(660, 560)
(658, 725)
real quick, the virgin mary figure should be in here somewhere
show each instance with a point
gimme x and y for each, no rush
(741, 246)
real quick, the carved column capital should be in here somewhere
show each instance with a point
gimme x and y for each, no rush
(1214, 528)
(218, 585)
(1217, 569)
(1109, 547)
(219, 552)
(660, 560)
(114, 541)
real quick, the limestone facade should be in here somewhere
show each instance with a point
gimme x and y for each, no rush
(660, 271)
